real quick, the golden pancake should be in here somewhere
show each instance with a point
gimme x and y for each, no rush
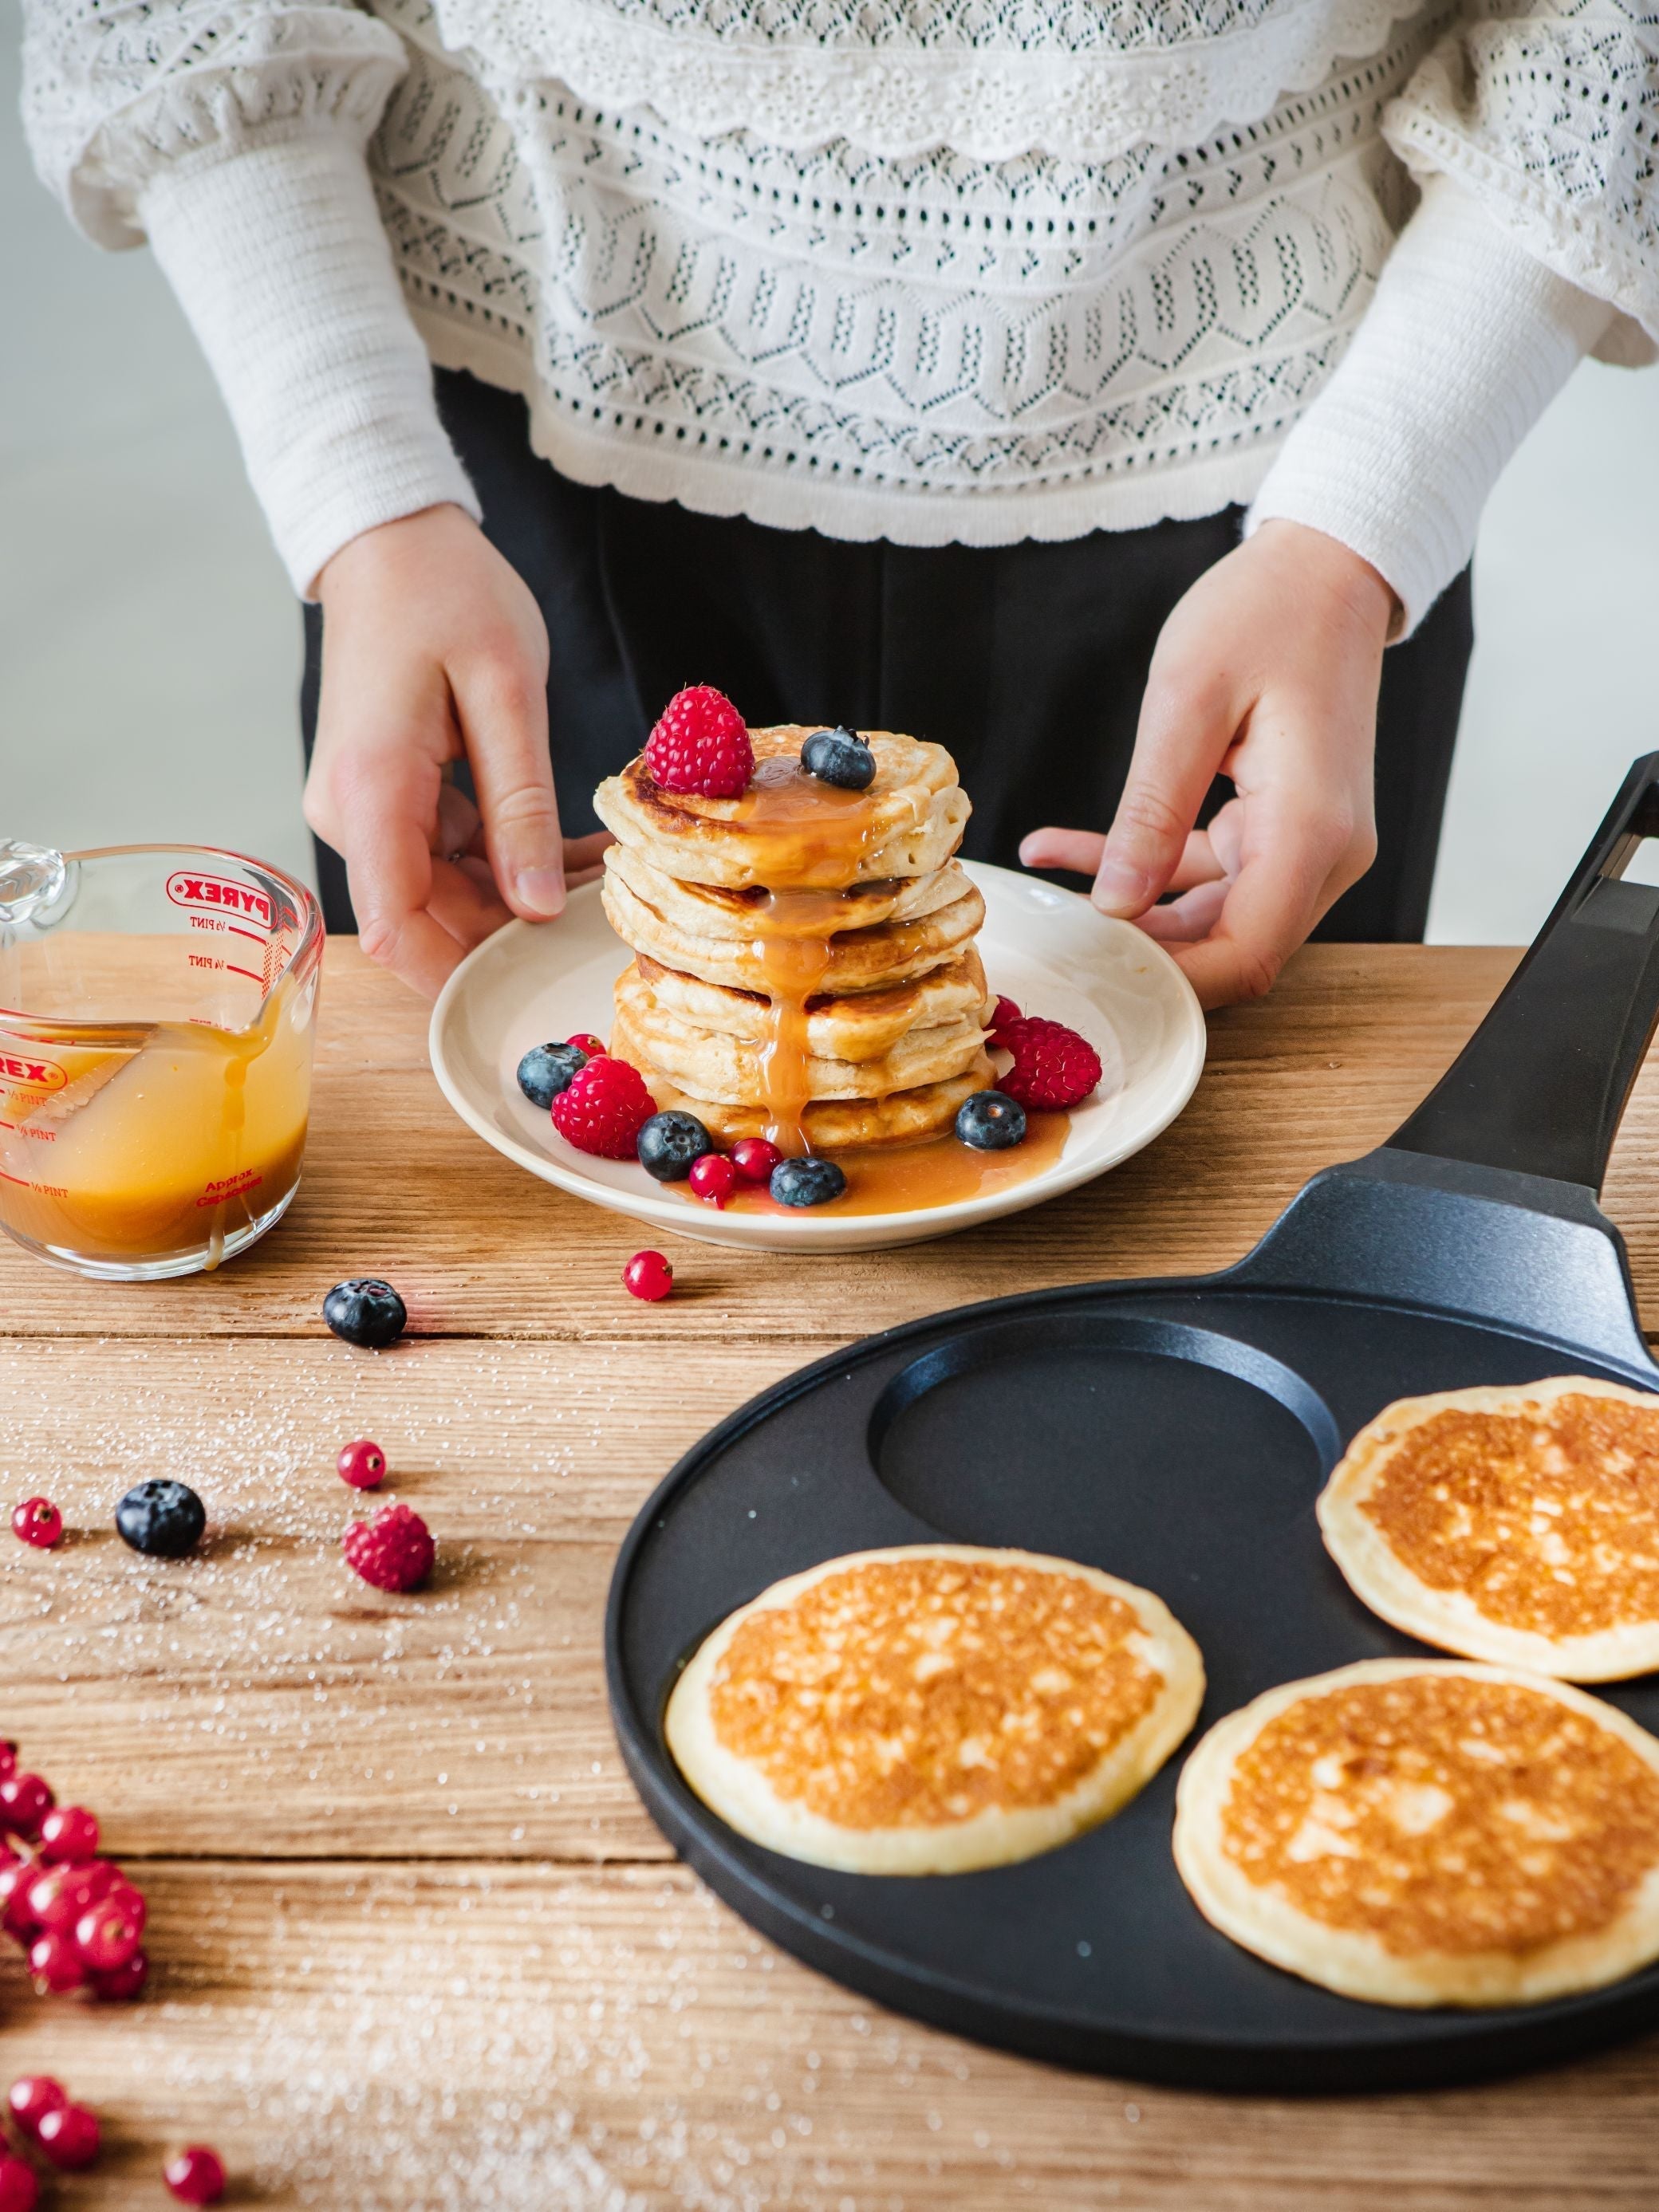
(733, 1070)
(860, 1027)
(1428, 1832)
(934, 1708)
(828, 1125)
(718, 910)
(858, 960)
(1520, 1525)
(789, 828)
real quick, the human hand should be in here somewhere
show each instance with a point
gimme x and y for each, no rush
(433, 651)
(1266, 672)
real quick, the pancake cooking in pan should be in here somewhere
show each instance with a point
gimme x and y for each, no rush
(1428, 1832)
(1519, 1525)
(933, 1708)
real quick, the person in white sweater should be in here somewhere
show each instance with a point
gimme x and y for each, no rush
(1097, 386)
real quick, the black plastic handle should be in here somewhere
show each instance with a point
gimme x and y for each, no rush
(1542, 1084)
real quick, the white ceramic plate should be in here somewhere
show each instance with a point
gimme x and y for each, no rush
(1048, 950)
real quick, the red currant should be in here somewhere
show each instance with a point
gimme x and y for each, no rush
(68, 1835)
(8, 1760)
(196, 2176)
(649, 1275)
(121, 1982)
(38, 1522)
(55, 1965)
(107, 1934)
(25, 1802)
(590, 1045)
(15, 1915)
(30, 2099)
(754, 1158)
(362, 1464)
(68, 2137)
(19, 2190)
(57, 1898)
(713, 1177)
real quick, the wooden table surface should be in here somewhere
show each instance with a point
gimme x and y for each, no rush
(415, 1944)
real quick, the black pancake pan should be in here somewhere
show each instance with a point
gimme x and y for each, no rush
(1177, 1433)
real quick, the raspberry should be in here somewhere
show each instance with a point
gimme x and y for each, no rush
(648, 1275)
(701, 744)
(37, 1521)
(1002, 1013)
(713, 1177)
(362, 1464)
(602, 1108)
(393, 1552)
(196, 2176)
(1052, 1065)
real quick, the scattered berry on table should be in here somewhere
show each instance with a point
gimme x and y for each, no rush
(602, 1109)
(29, 2100)
(8, 1760)
(57, 1899)
(124, 1983)
(68, 2137)
(649, 1275)
(19, 2190)
(161, 1517)
(546, 1068)
(55, 1965)
(809, 1182)
(392, 1551)
(1054, 1066)
(1002, 1013)
(591, 1047)
(840, 756)
(37, 1521)
(69, 1834)
(670, 1143)
(107, 1934)
(366, 1311)
(713, 1177)
(25, 1802)
(754, 1158)
(196, 2176)
(362, 1464)
(701, 744)
(990, 1122)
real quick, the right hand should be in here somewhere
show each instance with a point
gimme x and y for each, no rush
(435, 651)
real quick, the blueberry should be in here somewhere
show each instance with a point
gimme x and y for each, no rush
(839, 757)
(807, 1182)
(546, 1069)
(669, 1143)
(165, 1519)
(366, 1311)
(990, 1122)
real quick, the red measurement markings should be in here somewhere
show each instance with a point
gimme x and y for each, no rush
(215, 925)
(236, 1186)
(248, 972)
(43, 1189)
(218, 893)
(25, 1072)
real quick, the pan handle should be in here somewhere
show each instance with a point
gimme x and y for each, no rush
(1542, 1084)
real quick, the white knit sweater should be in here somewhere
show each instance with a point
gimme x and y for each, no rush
(933, 270)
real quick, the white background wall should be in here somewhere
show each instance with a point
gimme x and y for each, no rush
(149, 647)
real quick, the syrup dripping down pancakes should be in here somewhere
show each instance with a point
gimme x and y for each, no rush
(932, 1709)
(1518, 1525)
(804, 968)
(1428, 1832)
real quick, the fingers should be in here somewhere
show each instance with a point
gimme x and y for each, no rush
(1079, 850)
(392, 869)
(1189, 717)
(501, 703)
(1296, 860)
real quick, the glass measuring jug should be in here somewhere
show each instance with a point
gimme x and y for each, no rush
(157, 1006)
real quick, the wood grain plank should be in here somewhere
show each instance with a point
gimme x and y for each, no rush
(282, 1706)
(616, 2041)
(396, 1185)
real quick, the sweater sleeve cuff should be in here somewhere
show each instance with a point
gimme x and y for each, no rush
(277, 255)
(1467, 342)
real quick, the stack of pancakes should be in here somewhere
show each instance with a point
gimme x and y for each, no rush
(804, 965)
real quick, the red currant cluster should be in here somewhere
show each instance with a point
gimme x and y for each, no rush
(78, 1918)
(67, 2136)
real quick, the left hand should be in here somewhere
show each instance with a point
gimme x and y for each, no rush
(1266, 672)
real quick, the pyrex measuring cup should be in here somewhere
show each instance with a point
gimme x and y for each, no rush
(156, 1008)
